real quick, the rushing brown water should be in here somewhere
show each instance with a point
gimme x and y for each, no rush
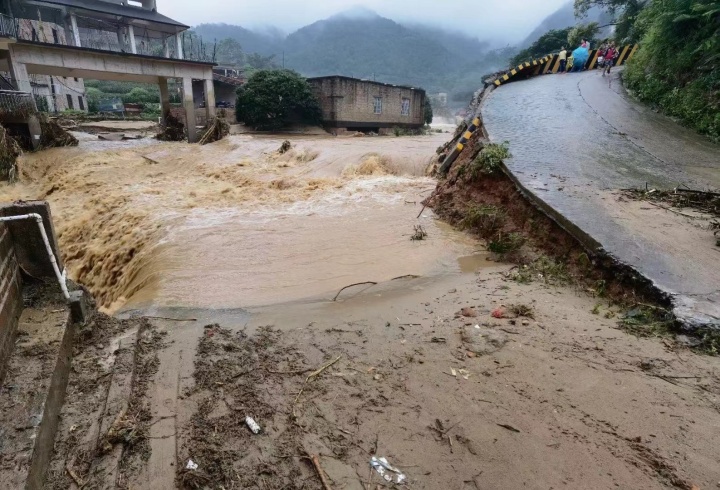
(235, 223)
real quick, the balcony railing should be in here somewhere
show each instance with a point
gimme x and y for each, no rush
(8, 26)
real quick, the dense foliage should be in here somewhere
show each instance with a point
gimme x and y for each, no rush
(272, 99)
(677, 65)
(428, 112)
(550, 42)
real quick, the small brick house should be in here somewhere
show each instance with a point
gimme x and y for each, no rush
(364, 105)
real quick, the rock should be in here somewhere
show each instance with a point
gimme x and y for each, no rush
(482, 341)
(687, 341)
(525, 323)
(110, 136)
(468, 312)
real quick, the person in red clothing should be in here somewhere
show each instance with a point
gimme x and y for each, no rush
(610, 56)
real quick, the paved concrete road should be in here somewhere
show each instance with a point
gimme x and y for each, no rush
(576, 138)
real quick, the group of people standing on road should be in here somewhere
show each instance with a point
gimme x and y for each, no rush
(606, 56)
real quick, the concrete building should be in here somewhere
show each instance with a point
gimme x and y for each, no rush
(363, 105)
(108, 40)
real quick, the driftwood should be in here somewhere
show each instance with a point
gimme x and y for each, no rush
(323, 478)
(172, 129)
(307, 380)
(53, 135)
(216, 130)
(351, 285)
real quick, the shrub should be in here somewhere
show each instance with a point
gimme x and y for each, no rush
(489, 159)
(272, 99)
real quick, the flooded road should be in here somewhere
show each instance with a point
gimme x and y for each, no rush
(577, 138)
(237, 224)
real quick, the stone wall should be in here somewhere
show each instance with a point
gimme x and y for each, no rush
(351, 103)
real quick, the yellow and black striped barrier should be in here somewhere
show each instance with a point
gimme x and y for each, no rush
(551, 64)
(474, 126)
(543, 66)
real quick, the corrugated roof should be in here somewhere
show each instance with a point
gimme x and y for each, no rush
(115, 9)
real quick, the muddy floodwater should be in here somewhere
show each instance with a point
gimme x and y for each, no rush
(236, 223)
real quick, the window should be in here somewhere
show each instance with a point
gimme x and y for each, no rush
(378, 105)
(405, 108)
(76, 79)
(70, 102)
(55, 36)
(81, 103)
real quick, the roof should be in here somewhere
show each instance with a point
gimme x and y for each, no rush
(364, 81)
(116, 9)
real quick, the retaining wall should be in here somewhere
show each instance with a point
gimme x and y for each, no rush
(11, 301)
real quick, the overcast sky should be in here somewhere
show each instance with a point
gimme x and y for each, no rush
(502, 20)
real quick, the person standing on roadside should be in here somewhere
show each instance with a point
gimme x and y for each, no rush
(610, 56)
(563, 60)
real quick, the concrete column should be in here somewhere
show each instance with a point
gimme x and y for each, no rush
(164, 98)
(189, 105)
(75, 30)
(35, 131)
(166, 47)
(180, 54)
(18, 72)
(209, 98)
(123, 39)
(131, 35)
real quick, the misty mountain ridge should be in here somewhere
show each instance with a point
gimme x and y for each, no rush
(362, 44)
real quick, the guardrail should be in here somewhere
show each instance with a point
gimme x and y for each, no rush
(8, 26)
(551, 63)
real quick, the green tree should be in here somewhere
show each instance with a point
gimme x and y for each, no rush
(583, 31)
(257, 61)
(625, 11)
(140, 96)
(676, 67)
(229, 52)
(94, 96)
(548, 43)
(428, 112)
(271, 99)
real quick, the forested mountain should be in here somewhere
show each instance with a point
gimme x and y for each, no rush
(362, 44)
(265, 43)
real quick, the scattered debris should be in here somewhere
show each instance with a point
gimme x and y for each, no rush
(285, 147)
(9, 151)
(388, 472)
(498, 312)
(191, 465)
(468, 312)
(351, 285)
(703, 201)
(522, 310)
(419, 234)
(307, 380)
(321, 474)
(254, 427)
(483, 340)
(53, 135)
(216, 130)
(172, 129)
(508, 427)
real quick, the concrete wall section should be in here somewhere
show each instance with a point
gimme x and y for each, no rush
(11, 301)
(69, 61)
(352, 103)
(29, 247)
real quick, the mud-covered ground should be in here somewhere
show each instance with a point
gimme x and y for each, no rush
(485, 374)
